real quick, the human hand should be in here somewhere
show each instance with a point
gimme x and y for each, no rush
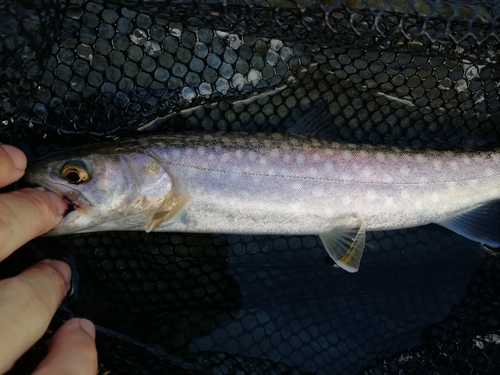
(28, 301)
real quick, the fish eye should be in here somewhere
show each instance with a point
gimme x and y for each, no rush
(75, 173)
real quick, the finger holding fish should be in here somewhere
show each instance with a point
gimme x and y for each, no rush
(25, 213)
(29, 300)
(12, 164)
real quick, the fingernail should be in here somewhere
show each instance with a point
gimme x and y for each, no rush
(60, 204)
(88, 327)
(62, 267)
(17, 156)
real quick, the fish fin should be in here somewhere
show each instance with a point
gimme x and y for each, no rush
(168, 211)
(481, 224)
(317, 123)
(345, 244)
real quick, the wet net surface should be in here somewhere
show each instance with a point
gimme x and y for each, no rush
(397, 72)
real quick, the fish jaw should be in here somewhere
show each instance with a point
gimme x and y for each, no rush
(80, 212)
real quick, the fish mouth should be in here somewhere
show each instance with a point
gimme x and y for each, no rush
(72, 206)
(76, 215)
(75, 200)
(78, 203)
(78, 206)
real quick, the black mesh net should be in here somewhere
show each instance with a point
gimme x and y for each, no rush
(425, 302)
(390, 72)
(395, 72)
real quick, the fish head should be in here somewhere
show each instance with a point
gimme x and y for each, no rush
(104, 190)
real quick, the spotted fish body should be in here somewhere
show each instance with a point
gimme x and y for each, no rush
(270, 184)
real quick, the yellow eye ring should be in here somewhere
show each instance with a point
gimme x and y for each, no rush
(75, 173)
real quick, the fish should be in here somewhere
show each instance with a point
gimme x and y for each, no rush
(274, 184)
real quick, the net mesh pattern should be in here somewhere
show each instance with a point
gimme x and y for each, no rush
(390, 72)
(200, 304)
(104, 68)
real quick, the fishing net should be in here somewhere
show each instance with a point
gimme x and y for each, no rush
(390, 72)
(398, 72)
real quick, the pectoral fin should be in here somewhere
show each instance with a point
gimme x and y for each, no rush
(345, 244)
(481, 224)
(169, 210)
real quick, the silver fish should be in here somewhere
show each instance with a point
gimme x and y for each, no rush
(274, 184)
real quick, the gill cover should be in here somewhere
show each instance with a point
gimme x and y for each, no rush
(154, 188)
